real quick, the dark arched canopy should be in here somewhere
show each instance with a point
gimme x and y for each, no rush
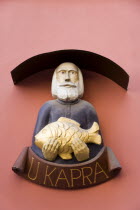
(84, 59)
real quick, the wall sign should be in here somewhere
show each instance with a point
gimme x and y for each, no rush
(67, 149)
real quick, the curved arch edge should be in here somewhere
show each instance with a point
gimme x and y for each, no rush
(84, 59)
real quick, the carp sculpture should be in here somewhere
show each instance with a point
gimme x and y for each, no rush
(67, 149)
(67, 133)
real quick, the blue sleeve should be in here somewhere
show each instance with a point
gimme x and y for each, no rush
(43, 118)
(91, 115)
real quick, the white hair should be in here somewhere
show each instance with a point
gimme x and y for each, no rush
(80, 84)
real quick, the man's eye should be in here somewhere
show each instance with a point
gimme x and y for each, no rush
(62, 72)
(73, 72)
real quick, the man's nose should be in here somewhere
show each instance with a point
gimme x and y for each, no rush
(67, 77)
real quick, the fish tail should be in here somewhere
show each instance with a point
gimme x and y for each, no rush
(94, 128)
(93, 135)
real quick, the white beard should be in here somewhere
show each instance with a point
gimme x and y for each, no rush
(67, 93)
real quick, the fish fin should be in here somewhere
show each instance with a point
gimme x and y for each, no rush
(64, 119)
(65, 156)
(95, 138)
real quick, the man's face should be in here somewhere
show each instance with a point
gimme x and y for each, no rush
(67, 74)
(67, 82)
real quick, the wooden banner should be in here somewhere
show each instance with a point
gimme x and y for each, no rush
(95, 171)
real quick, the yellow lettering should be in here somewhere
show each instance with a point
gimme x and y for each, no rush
(86, 176)
(72, 177)
(61, 178)
(99, 172)
(38, 164)
(48, 175)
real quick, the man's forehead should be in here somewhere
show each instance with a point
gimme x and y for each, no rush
(67, 66)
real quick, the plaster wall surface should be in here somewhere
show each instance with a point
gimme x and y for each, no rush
(110, 28)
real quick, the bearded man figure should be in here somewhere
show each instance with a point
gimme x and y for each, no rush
(67, 88)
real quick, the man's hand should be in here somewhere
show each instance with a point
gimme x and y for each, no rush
(50, 149)
(81, 151)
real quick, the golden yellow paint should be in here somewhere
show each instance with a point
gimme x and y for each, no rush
(97, 165)
(86, 176)
(38, 164)
(74, 178)
(66, 132)
(48, 175)
(62, 178)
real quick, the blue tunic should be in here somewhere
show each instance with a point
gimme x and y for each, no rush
(79, 110)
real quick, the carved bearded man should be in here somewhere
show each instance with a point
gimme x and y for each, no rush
(67, 88)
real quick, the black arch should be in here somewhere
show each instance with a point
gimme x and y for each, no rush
(84, 59)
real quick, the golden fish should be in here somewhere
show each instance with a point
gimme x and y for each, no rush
(66, 131)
